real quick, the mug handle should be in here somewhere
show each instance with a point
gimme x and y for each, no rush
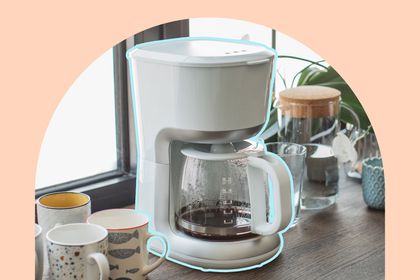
(150, 267)
(102, 263)
(281, 191)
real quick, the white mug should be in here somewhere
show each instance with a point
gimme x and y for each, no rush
(78, 251)
(127, 241)
(39, 253)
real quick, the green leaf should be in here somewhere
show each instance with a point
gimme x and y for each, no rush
(273, 117)
(306, 75)
(324, 76)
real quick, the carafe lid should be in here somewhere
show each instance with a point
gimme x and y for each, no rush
(219, 152)
(310, 101)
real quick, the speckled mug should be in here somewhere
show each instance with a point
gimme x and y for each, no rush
(128, 236)
(373, 183)
(78, 251)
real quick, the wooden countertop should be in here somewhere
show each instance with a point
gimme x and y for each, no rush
(346, 241)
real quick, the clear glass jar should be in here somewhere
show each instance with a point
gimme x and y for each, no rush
(310, 115)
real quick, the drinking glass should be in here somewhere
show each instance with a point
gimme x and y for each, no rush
(320, 188)
(294, 155)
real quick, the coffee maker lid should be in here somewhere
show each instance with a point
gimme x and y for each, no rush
(202, 52)
(218, 152)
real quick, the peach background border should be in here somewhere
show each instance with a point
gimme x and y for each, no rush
(45, 45)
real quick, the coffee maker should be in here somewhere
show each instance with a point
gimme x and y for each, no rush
(219, 198)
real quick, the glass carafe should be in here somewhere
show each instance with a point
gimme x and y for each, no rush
(224, 192)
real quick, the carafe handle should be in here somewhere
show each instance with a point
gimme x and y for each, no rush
(281, 193)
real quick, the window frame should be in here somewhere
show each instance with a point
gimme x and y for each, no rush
(117, 188)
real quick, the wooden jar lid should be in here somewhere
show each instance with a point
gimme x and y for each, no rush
(310, 102)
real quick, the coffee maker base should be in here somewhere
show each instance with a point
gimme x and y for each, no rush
(209, 265)
(220, 256)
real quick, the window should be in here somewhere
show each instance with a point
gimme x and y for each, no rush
(80, 140)
(288, 67)
(90, 129)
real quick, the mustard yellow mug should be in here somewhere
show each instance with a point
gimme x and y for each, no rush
(62, 208)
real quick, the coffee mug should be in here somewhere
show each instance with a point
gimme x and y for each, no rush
(128, 236)
(78, 251)
(62, 208)
(39, 253)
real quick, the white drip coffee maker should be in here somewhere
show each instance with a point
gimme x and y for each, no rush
(196, 102)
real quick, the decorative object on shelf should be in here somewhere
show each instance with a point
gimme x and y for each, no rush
(366, 145)
(373, 183)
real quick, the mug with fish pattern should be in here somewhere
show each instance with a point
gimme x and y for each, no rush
(127, 243)
(78, 251)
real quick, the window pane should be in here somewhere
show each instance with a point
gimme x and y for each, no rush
(288, 68)
(230, 28)
(80, 140)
